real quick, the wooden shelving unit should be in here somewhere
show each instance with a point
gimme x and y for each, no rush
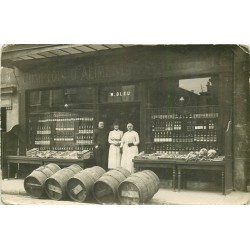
(61, 131)
(182, 129)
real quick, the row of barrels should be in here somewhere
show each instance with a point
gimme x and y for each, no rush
(116, 185)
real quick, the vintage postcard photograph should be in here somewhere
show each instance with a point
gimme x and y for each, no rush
(125, 124)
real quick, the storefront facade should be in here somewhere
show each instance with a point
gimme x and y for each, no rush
(9, 103)
(179, 98)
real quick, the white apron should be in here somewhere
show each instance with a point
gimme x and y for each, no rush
(114, 160)
(129, 152)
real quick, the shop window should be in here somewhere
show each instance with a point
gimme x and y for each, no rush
(84, 95)
(183, 92)
(43, 100)
(61, 119)
(162, 93)
(72, 97)
(35, 98)
(183, 115)
(196, 92)
(57, 97)
(60, 97)
(39, 100)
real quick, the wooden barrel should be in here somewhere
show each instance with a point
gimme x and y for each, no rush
(80, 186)
(56, 185)
(155, 178)
(138, 188)
(105, 189)
(35, 182)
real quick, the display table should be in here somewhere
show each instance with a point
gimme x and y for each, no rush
(179, 166)
(153, 164)
(201, 165)
(41, 161)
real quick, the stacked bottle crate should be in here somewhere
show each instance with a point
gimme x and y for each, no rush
(187, 129)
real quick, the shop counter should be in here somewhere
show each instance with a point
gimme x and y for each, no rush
(41, 161)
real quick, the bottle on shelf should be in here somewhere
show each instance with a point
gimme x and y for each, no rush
(154, 137)
(215, 137)
(170, 136)
(204, 124)
(174, 137)
(160, 136)
(180, 126)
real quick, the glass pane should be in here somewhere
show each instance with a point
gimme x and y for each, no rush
(196, 92)
(162, 93)
(35, 98)
(72, 96)
(84, 95)
(57, 97)
(39, 100)
(183, 92)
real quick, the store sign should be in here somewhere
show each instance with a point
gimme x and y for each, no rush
(116, 94)
(126, 93)
(82, 72)
(111, 69)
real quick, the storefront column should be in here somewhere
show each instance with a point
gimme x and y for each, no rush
(22, 111)
(143, 120)
(240, 119)
(225, 100)
(22, 106)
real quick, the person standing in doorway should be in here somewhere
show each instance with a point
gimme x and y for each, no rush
(100, 141)
(129, 145)
(115, 137)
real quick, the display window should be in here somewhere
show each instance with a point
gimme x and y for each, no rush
(183, 116)
(61, 119)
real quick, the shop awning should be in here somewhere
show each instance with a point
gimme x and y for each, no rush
(25, 52)
(13, 54)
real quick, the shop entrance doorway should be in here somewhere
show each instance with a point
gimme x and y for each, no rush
(122, 113)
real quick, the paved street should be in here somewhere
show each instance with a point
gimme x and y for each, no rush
(13, 193)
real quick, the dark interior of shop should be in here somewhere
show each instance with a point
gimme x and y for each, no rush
(121, 113)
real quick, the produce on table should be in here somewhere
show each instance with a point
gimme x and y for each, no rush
(85, 154)
(203, 152)
(211, 153)
(202, 155)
